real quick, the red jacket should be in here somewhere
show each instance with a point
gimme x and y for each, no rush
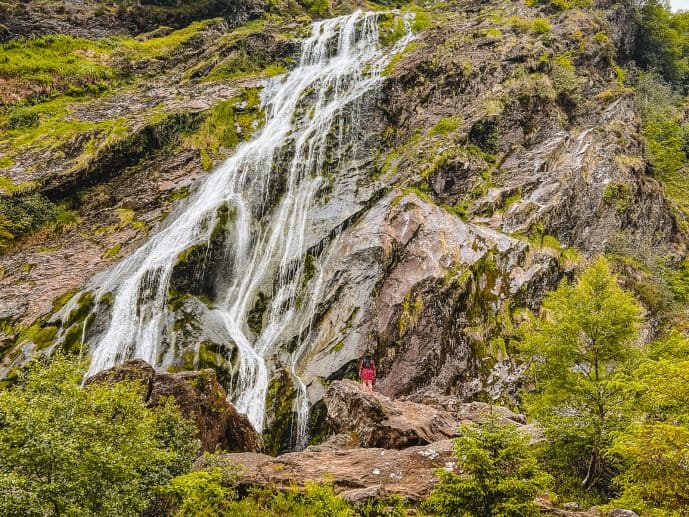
(372, 367)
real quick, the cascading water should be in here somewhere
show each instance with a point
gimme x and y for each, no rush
(306, 111)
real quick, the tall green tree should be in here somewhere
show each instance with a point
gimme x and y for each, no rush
(499, 475)
(580, 349)
(663, 41)
(95, 450)
(656, 478)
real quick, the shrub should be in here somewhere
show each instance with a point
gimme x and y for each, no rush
(500, 475)
(94, 450)
(486, 136)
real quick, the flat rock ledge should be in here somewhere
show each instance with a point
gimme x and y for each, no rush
(356, 473)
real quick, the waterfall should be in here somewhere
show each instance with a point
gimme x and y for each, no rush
(340, 63)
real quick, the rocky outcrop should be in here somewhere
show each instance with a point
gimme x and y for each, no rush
(100, 19)
(425, 292)
(378, 421)
(374, 420)
(355, 473)
(199, 398)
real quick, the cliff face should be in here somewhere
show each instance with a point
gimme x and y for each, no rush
(501, 148)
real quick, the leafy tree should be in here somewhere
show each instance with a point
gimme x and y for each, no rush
(94, 450)
(657, 478)
(499, 475)
(580, 348)
(663, 41)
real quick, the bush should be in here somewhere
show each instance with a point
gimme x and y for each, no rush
(94, 450)
(565, 80)
(665, 134)
(485, 134)
(500, 475)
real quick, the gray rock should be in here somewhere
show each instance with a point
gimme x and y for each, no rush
(619, 512)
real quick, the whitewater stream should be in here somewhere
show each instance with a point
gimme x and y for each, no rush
(340, 64)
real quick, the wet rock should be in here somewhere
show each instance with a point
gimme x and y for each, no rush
(354, 472)
(199, 397)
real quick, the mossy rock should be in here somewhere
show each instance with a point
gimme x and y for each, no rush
(195, 270)
(281, 418)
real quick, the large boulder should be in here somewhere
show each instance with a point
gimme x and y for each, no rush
(378, 421)
(375, 420)
(355, 473)
(200, 398)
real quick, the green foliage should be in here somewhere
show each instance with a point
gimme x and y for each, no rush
(580, 348)
(391, 29)
(445, 126)
(566, 82)
(212, 492)
(663, 42)
(656, 481)
(666, 136)
(617, 194)
(485, 134)
(421, 21)
(204, 492)
(226, 125)
(538, 26)
(23, 214)
(317, 8)
(500, 475)
(94, 450)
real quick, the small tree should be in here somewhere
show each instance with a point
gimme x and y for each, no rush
(580, 348)
(499, 475)
(94, 450)
(655, 449)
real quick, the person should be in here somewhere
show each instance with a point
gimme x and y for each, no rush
(367, 373)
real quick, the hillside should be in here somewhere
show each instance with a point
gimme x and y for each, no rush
(488, 198)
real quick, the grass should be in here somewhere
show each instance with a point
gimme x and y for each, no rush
(56, 63)
(219, 129)
(445, 126)
(161, 47)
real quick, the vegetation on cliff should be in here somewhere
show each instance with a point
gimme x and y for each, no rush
(606, 351)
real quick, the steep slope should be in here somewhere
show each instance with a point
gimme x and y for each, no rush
(501, 148)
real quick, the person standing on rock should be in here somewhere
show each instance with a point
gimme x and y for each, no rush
(367, 373)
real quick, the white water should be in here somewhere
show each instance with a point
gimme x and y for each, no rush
(340, 63)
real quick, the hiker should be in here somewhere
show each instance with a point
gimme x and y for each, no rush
(367, 373)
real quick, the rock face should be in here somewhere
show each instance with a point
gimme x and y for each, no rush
(378, 421)
(485, 172)
(99, 19)
(199, 397)
(374, 420)
(355, 472)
